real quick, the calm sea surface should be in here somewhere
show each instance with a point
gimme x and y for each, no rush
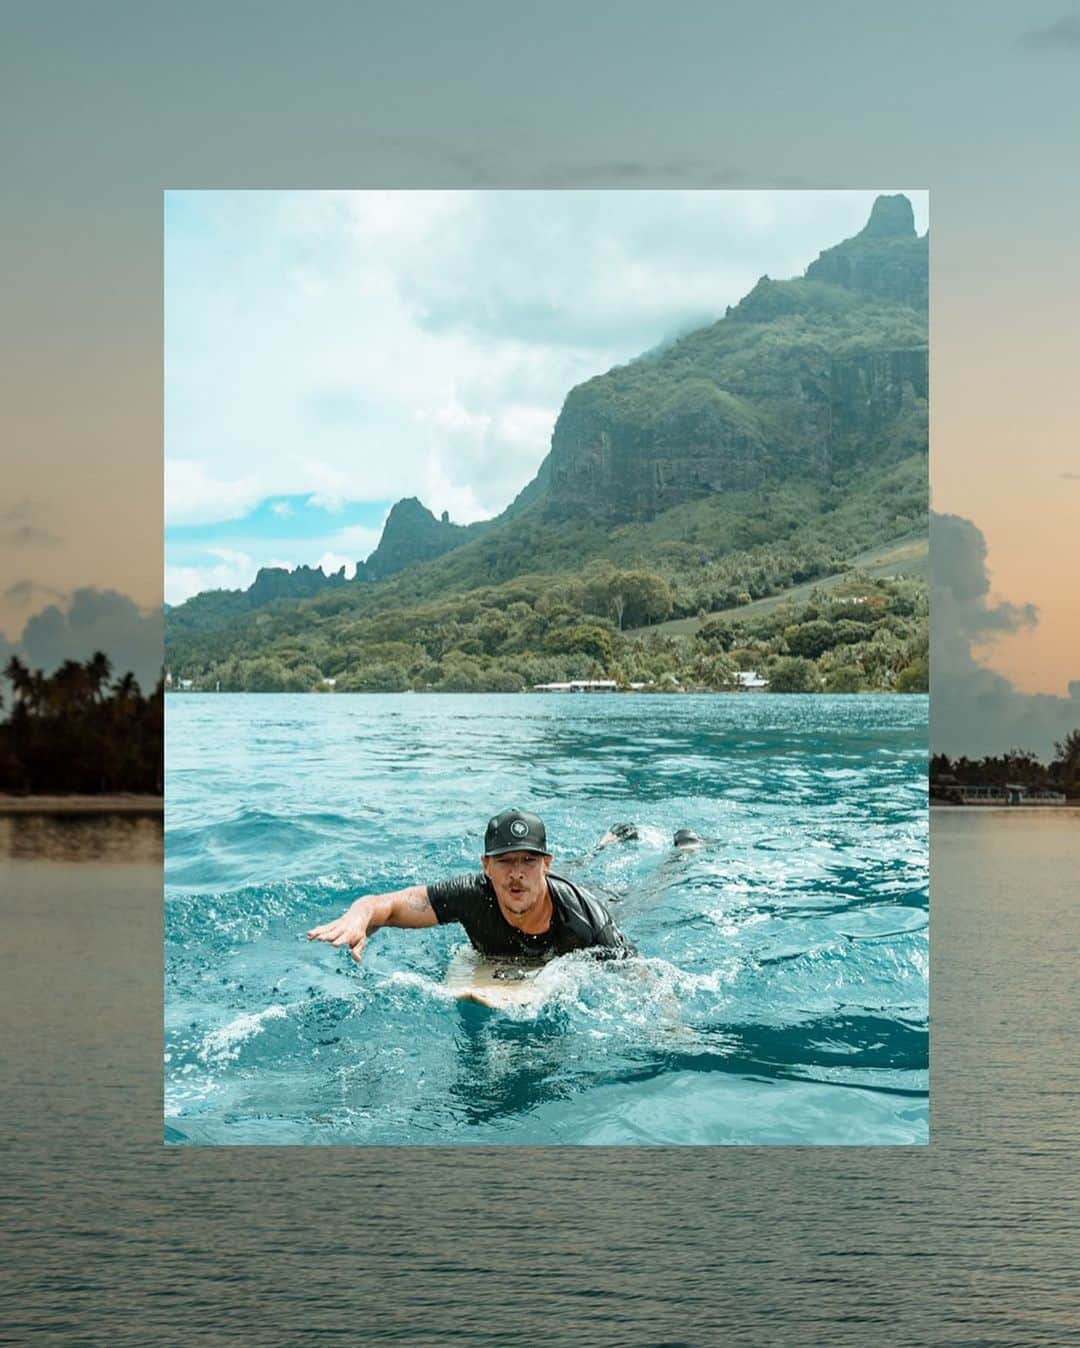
(109, 1237)
(780, 995)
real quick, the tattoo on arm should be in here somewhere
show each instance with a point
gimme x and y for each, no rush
(419, 903)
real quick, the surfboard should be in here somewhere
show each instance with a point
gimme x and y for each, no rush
(497, 984)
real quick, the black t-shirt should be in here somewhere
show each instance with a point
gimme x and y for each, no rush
(579, 921)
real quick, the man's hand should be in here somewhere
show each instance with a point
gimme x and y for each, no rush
(350, 929)
(404, 908)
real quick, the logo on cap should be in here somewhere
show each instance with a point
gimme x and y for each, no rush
(519, 828)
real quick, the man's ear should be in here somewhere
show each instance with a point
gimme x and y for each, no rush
(547, 864)
(484, 862)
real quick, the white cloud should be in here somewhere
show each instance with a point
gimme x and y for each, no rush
(354, 544)
(232, 557)
(974, 710)
(332, 562)
(398, 223)
(330, 502)
(439, 494)
(234, 571)
(194, 496)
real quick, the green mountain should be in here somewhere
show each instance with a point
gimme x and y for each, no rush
(806, 379)
(758, 453)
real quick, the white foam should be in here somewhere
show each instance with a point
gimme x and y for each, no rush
(223, 1045)
(405, 978)
(603, 991)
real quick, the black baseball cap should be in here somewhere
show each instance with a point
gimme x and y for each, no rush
(515, 831)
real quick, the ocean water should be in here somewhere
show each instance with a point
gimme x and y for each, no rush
(780, 991)
(111, 1238)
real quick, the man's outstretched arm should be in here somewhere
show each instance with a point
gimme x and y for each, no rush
(403, 908)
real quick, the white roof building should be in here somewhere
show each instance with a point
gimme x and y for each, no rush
(577, 686)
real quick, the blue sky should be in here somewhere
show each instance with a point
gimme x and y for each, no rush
(287, 531)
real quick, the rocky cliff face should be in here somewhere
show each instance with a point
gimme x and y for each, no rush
(623, 466)
(802, 378)
(876, 395)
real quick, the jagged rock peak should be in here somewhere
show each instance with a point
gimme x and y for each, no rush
(275, 582)
(886, 259)
(410, 509)
(890, 217)
(411, 534)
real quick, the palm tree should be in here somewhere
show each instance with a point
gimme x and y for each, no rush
(98, 669)
(19, 676)
(70, 687)
(127, 687)
(37, 696)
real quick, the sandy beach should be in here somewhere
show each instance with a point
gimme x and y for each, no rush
(104, 804)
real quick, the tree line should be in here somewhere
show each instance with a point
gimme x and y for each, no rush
(1016, 766)
(79, 731)
(860, 635)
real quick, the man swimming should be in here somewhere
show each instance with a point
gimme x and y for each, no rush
(514, 909)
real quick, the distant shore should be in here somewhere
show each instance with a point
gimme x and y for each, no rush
(118, 803)
(1000, 805)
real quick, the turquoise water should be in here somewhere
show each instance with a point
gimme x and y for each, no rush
(780, 995)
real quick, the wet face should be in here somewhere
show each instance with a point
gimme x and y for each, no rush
(519, 880)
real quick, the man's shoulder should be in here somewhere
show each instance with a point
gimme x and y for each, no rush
(562, 885)
(575, 897)
(447, 896)
(588, 918)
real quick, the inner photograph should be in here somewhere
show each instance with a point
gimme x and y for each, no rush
(546, 668)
